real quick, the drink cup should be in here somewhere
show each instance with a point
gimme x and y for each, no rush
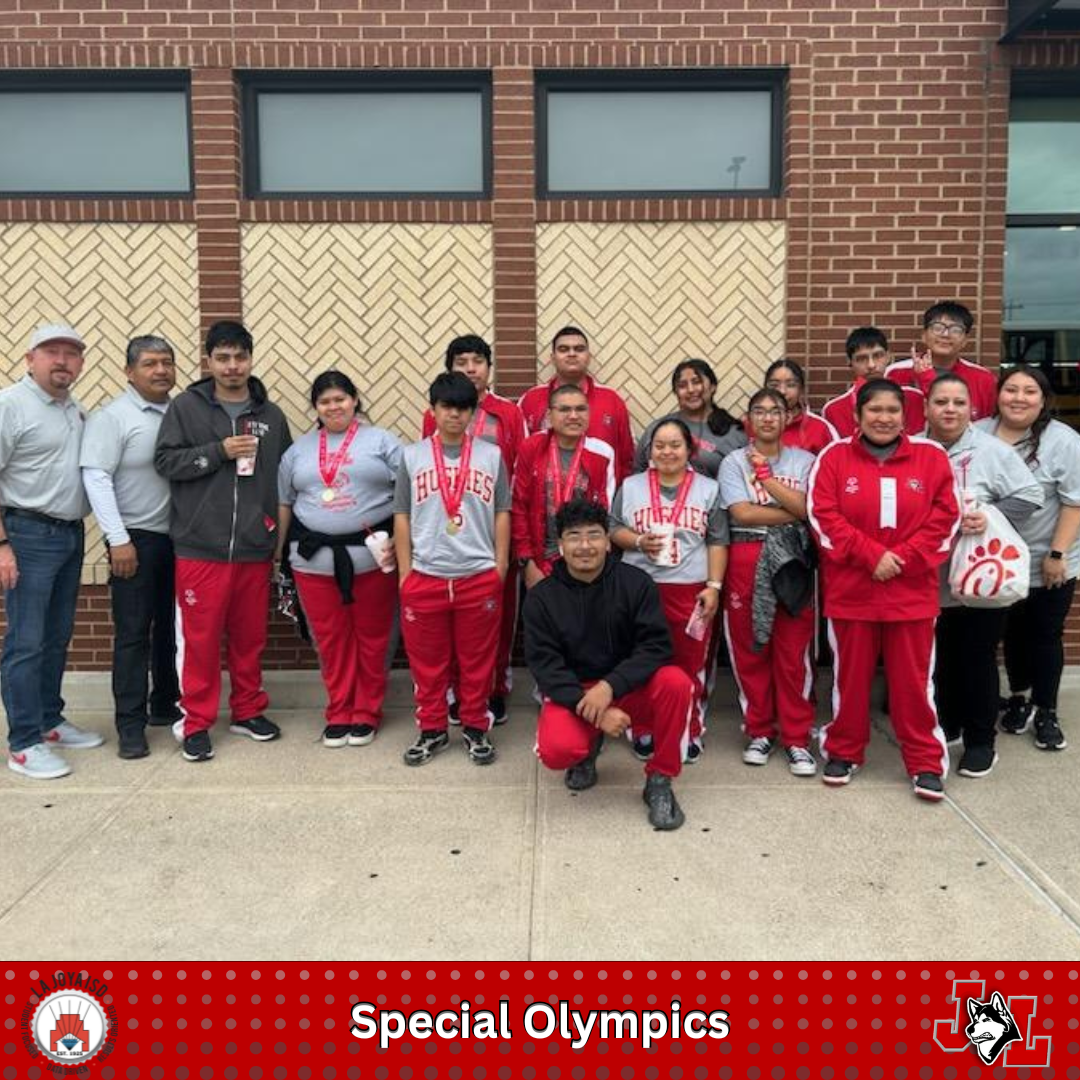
(378, 543)
(245, 466)
(697, 626)
(667, 556)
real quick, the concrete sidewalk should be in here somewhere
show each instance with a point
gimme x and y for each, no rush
(289, 850)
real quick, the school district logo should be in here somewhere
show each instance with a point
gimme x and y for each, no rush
(995, 1027)
(70, 1027)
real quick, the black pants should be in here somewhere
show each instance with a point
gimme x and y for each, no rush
(1034, 655)
(144, 621)
(966, 672)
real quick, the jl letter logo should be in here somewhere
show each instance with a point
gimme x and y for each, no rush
(996, 1028)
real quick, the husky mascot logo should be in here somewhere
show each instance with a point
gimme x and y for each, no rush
(992, 1027)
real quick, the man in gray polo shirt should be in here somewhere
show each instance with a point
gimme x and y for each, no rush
(131, 503)
(42, 505)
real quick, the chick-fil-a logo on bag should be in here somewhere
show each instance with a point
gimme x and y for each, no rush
(989, 571)
(993, 1027)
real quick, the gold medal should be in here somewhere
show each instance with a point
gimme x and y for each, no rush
(328, 495)
(453, 528)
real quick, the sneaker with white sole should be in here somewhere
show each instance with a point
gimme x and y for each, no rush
(178, 730)
(928, 786)
(1048, 733)
(837, 772)
(71, 737)
(335, 735)
(1018, 714)
(757, 751)
(258, 728)
(800, 761)
(977, 761)
(478, 746)
(38, 762)
(642, 747)
(427, 745)
(198, 747)
(362, 734)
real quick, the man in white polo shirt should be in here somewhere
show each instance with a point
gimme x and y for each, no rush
(42, 505)
(131, 503)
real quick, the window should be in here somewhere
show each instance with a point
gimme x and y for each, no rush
(1041, 313)
(371, 135)
(88, 134)
(657, 133)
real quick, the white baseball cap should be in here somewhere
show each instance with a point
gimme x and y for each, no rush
(55, 332)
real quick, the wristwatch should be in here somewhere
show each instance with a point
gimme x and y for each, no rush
(717, 585)
(1055, 555)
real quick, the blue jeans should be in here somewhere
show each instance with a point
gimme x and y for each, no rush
(40, 618)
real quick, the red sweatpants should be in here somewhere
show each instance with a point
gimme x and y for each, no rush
(908, 651)
(775, 685)
(215, 599)
(448, 624)
(666, 702)
(351, 640)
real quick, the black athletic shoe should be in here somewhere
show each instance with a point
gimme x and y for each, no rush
(427, 745)
(197, 747)
(642, 747)
(497, 708)
(693, 753)
(664, 810)
(478, 746)
(837, 772)
(1048, 734)
(258, 728)
(928, 785)
(335, 735)
(362, 734)
(1016, 718)
(582, 776)
(133, 745)
(977, 761)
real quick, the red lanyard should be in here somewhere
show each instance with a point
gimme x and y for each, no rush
(563, 491)
(329, 465)
(452, 499)
(680, 499)
(479, 420)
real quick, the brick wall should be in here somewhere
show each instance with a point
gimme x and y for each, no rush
(895, 149)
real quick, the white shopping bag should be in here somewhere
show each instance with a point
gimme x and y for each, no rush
(991, 569)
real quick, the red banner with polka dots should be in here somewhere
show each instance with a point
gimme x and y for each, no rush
(541, 1021)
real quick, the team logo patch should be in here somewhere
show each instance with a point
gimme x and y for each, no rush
(190, 598)
(915, 484)
(609, 420)
(852, 486)
(992, 1027)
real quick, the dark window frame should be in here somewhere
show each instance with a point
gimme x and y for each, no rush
(254, 83)
(771, 79)
(119, 82)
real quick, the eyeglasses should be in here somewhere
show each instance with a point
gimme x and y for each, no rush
(766, 414)
(947, 329)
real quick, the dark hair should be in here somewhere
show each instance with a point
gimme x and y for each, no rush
(1042, 421)
(147, 343)
(772, 395)
(863, 337)
(569, 331)
(334, 380)
(792, 366)
(577, 512)
(719, 421)
(944, 377)
(950, 309)
(467, 343)
(453, 389)
(563, 390)
(227, 332)
(877, 386)
(683, 427)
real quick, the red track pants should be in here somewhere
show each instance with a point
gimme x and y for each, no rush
(775, 685)
(215, 599)
(448, 624)
(908, 650)
(351, 640)
(665, 703)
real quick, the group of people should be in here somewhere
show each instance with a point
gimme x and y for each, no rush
(630, 557)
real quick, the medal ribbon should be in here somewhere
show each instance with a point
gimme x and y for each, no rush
(452, 499)
(680, 498)
(563, 491)
(329, 466)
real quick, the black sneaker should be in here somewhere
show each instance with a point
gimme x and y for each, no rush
(133, 744)
(642, 747)
(197, 747)
(427, 745)
(582, 776)
(977, 761)
(362, 734)
(664, 811)
(693, 753)
(1016, 718)
(497, 708)
(928, 785)
(837, 772)
(1048, 734)
(335, 735)
(478, 746)
(258, 728)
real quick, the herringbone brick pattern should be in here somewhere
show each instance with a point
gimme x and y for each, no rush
(650, 295)
(379, 302)
(110, 282)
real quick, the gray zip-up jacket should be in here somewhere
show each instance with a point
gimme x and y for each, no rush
(216, 515)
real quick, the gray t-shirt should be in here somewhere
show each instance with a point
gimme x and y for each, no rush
(703, 523)
(40, 442)
(709, 449)
(1057, 469)
(234, 409)
(737, 483)
(363, 491)
(119, 439)
(471, 549)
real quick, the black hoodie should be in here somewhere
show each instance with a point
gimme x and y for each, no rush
(612, 628)
(216, 515)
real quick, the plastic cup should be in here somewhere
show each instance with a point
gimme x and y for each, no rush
(376, 543)
(667, 553)
(245, 466)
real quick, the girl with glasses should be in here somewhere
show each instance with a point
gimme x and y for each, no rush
(805, 430)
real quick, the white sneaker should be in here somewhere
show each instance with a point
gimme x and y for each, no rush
(74, 738)
(38, 762)
(800, 761)
(757, 751)
(178, 730)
